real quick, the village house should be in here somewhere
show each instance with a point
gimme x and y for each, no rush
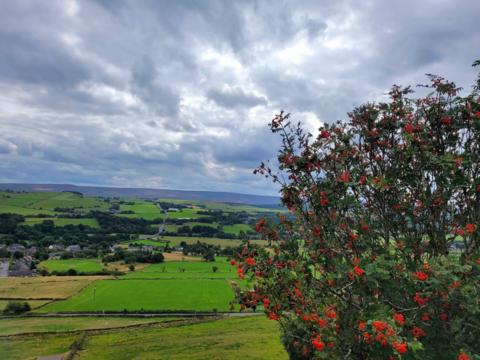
(73, 248)
(13, 248)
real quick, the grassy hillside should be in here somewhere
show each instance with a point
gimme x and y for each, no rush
(225, 339)
(229, 339)
(63, 221)
(11, 326)
(185, 270)
(44, 287)
(148, 295)
(80, 265)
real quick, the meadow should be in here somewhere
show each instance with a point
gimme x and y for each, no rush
(148, 295)
(63, 221)
(149, 211)
(8, 209)
(235, 338)
(34, 203)
(229, 229)
(33, 303)
(236, 228)
(174, 227)
(80, 265)
(226, 339)
(176, 240)
(185, 270)
(23, 325)
(45, 287)
(30, 347)
(209, 205)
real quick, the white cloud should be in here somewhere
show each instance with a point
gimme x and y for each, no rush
(178, 95)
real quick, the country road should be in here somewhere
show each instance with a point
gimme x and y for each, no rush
(146, 315)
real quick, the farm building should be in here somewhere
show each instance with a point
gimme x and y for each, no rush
(73, 248)
(16, 248)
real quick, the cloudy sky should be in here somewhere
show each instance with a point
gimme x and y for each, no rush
(177, 94)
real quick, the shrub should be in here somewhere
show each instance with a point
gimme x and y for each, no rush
(15, 307)
(364, 269)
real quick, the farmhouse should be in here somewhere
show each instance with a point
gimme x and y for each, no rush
(73, 248)
(31, 251)
(16, 248)
(20, 268)
(56, 247)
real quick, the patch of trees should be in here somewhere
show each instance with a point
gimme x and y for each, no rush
(9, 222)
(16, 307)
(116, 224)
(131, 257)
(167, 205)
(208, 251)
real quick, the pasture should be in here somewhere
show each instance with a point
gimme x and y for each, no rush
(80, 265)
(30, 347)
(63, 221)
(149, 211)
(8, 209)
(236, 228)
(186, 270)
(24, 199)
(209, 205)
(174, 227)
(34, 203)
(176, 240)
(45, 287)
(70, 200)
(226, 339)
(148, 295)
(142, 209)
(33, 303)
(185, 214)
(22, 325)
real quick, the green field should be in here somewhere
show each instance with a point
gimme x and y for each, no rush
(24, 325)
(8, 209)
(224, 339)
(24, 199)
(29, 348)
(71, 200)
(185, 214)
(185, 270)
(43, 287)
(230, 229)
(209, 205)
(176, 240)
(236, 228)
(141, 209)
(149, 211)
(174, 227)
(63, 221)
(33, 303)
(35, 203)
(229, 339)
(148, 295)
(80, 265)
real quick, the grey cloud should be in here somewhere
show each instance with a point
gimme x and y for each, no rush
(181, 91)
(235, 97)
(154, 91)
